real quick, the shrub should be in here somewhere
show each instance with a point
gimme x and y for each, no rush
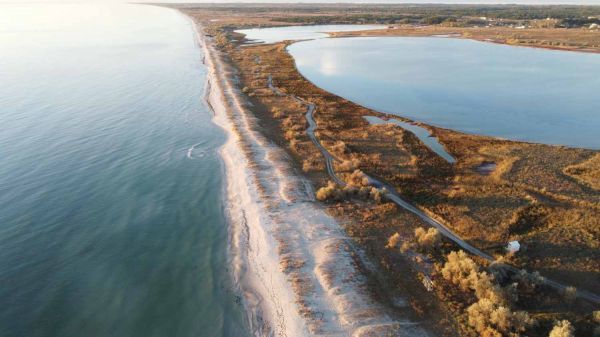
(570, 293)
(493, 319)
(596, 316)
(310, 164)
(334, 192)
(327, 192)
(483, 284)
(393, 241)
(534, 279)
(358, 178)
(459, 269)
(562, 329)
(428, 239)
(277, 113)
(339, 147)
(291, 134)
(377, 194)
(406, 246)
(348, 165)
(288, 122)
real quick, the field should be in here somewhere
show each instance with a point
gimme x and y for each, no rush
(546, 197)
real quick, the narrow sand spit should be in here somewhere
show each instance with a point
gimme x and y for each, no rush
(292, 262)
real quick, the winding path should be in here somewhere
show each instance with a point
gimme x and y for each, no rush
(310, 131)
(393, 196)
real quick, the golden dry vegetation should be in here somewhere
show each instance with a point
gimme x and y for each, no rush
(547, 197)
(583, 40)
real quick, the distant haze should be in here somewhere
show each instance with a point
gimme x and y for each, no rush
(488, 2)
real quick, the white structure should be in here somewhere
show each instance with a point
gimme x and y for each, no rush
(428, 283)
(594, 26)
(513, 246)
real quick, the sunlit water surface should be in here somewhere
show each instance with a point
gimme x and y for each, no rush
(278, 34)
(517, 93)
(111, 215)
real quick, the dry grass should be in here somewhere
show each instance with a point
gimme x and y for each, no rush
(545, 196)
(587, 172)
(551, 38)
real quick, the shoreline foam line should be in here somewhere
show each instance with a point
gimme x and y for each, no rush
(291, 261)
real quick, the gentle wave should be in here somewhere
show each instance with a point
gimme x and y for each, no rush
(190, 154)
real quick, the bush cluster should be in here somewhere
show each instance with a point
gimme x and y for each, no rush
(428, 239)
(334, 192)
(424, 240)
(358, 178)
(491, 314)
(562, 329)
(348, 165)
(491, 319)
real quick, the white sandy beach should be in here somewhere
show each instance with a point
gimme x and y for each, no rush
(291, 260)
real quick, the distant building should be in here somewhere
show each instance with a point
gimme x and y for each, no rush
(513, 246)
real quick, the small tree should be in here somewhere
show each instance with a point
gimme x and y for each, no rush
(459, 269)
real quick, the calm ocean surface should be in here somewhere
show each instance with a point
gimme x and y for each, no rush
(517, 93)
(111, 213)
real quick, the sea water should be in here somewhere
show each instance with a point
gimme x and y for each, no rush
(111, 186)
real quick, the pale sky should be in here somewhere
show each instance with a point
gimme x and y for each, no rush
(538, 2)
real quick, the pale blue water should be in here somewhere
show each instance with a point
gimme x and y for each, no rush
(517, 93)
(423, 134)
(111, 213)
(278, 34)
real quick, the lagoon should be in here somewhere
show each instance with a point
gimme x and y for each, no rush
(516, 93)
(278, 34)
